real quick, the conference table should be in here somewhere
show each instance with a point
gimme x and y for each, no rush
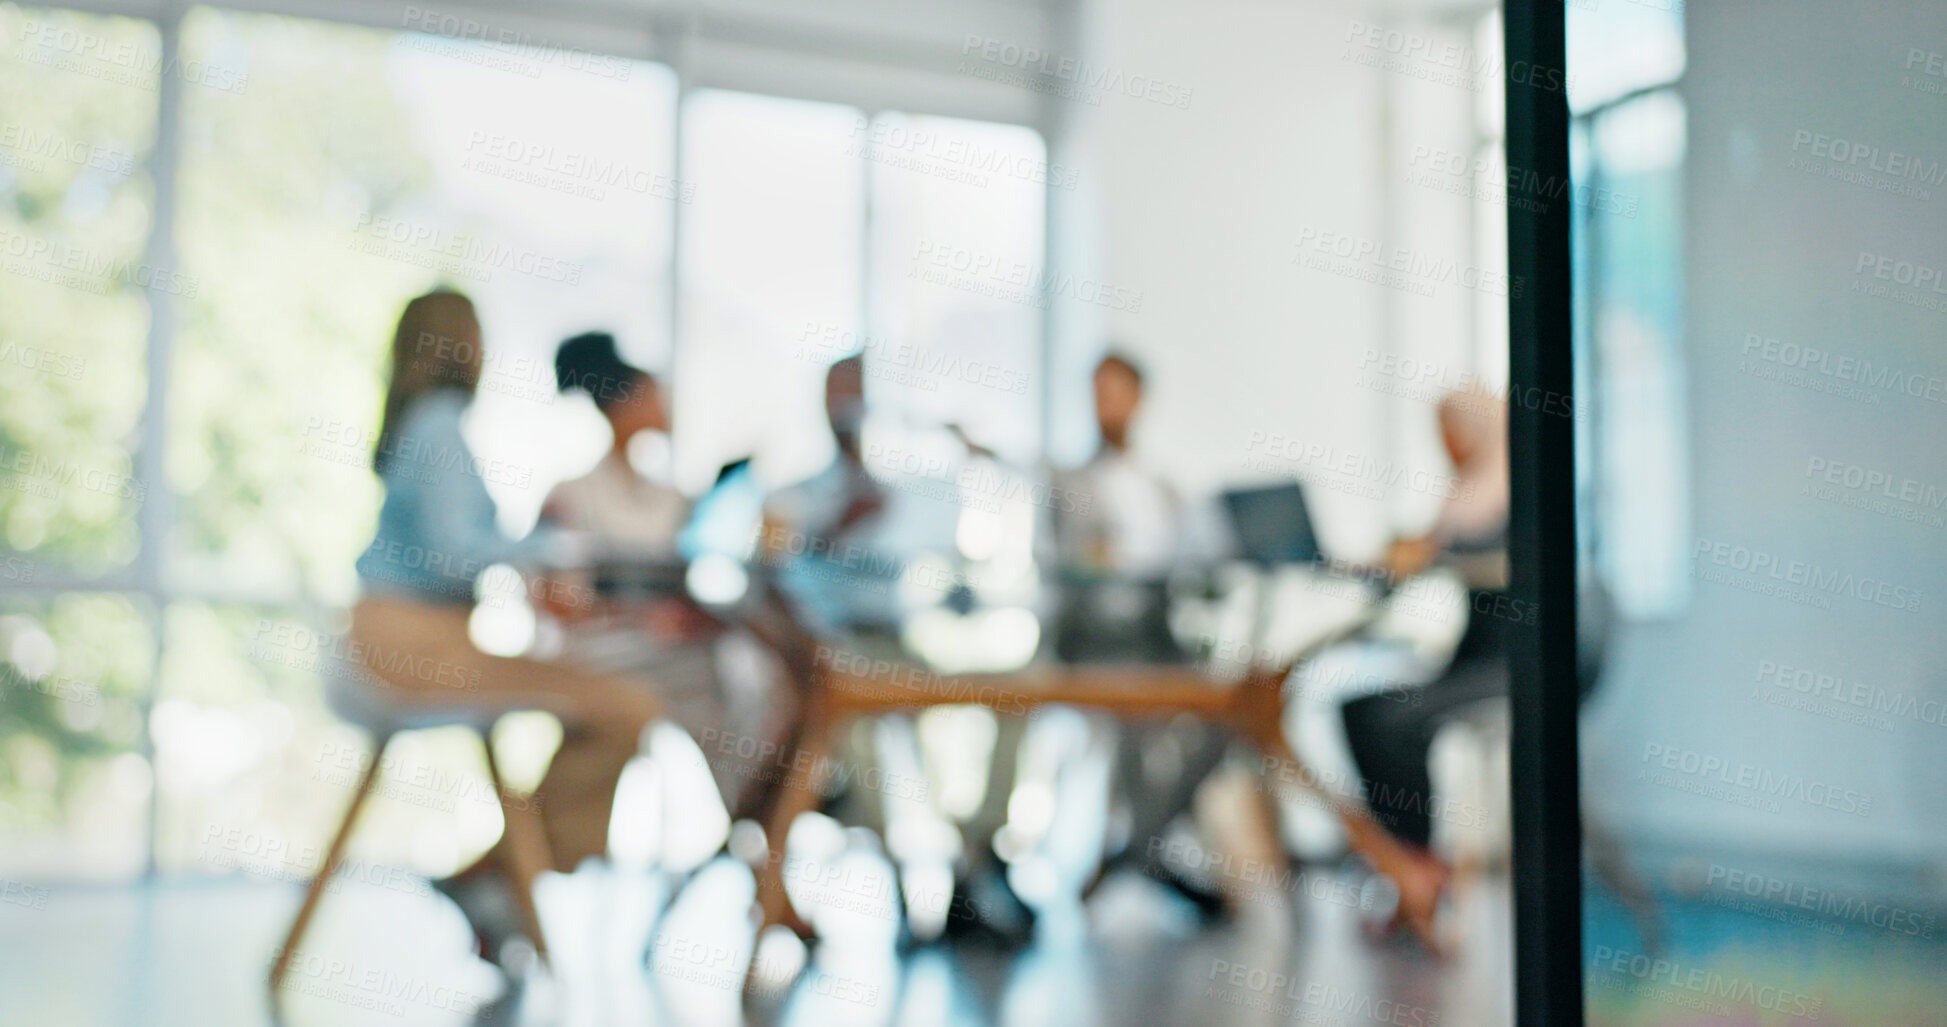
(835, 689)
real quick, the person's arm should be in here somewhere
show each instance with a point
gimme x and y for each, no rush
(458, 515)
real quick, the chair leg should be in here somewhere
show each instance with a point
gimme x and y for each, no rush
(333, 856)
(525, 852)
(797, 794)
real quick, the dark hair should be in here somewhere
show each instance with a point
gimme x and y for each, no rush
(1127, 364)
(590, 362)
(436, 346)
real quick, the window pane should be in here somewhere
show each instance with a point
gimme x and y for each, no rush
(771, 256)
(253, 771)
(77, 120)
(360, 168)
(74, 785)
(958, 215)
(1636, 323)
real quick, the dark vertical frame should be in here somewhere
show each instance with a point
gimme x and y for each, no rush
(1544, 775)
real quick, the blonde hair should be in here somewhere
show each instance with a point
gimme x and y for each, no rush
(436, 346)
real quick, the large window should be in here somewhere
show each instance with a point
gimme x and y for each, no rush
(76, 271)
(255, 203)
(1627, 153)
(771, 261)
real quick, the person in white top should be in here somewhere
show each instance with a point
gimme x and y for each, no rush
(1132, 529)
(624, 526)
(615, 511)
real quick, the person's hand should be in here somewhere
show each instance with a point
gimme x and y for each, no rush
(1410, 556)
(565, 600)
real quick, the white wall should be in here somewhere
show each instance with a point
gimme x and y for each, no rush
(1202, 210)
(1772, 251)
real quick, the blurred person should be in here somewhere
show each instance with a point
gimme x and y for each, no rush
(615, 509)
(623, 528)
(838, 542)
(1391, 732)
(1114, 558)
(815, 557)
(816, 531)
(437, 532)
(1114, 563)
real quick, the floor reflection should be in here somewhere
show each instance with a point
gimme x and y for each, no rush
(196, 954)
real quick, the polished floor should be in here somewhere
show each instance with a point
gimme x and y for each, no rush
(194, 954)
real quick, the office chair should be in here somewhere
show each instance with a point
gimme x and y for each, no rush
(362, 699)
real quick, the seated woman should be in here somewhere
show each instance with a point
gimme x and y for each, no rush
(1391, 733)
(624, 528)
(437, 532)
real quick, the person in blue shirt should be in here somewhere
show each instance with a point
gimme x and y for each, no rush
(437, 532)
